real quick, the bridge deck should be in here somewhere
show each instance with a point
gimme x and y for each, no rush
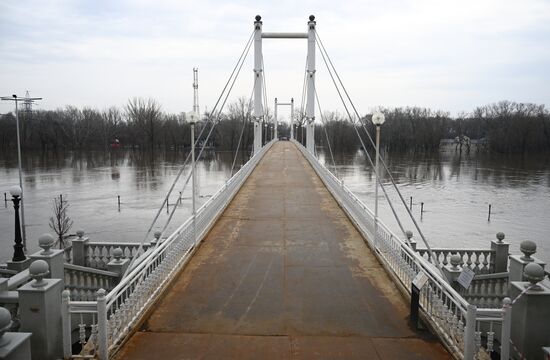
(282, 275)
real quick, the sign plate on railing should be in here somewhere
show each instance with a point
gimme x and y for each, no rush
(465, 278)
(420, 280)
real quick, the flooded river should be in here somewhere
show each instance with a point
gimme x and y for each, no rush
(456, 190)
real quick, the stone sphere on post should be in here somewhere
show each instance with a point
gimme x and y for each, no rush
(117, 254)
(46, 241)
(38, 270)
(456, 259)
(5, 325)
(80, 233)
(409, 234)
(500, 236)
(15, 191)
(528, 248)
(157, 235)
(534, 273)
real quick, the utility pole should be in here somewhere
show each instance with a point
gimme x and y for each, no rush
(27, 106)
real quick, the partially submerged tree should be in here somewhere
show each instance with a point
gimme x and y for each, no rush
(61, 223)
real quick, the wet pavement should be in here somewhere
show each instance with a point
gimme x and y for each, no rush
(282, 275)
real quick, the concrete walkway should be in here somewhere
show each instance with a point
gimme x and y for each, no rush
(282, 275)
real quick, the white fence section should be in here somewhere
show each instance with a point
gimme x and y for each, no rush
(113, 315)
(465, 330)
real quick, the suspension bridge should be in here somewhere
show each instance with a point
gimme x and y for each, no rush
(285, 262)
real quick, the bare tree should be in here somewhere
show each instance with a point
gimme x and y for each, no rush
(145, 115)
(61, 223)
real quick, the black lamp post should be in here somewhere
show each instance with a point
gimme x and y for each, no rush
(18, 254)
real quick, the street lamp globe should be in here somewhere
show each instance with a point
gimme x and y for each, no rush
(15, 191)
(378, 118)
(193, 117)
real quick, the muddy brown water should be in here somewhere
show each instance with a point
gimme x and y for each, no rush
(456, 189)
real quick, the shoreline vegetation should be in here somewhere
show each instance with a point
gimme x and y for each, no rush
(504, 127)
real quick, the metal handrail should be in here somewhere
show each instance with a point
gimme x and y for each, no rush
(121, 308)
(447, 312)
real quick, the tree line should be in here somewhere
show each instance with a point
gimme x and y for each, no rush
(505, 127)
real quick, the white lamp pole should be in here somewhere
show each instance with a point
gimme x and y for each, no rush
(193, 179)
(377, 119)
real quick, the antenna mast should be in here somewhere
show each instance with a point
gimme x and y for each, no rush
(196, 91)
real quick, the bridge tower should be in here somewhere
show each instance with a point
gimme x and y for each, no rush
(277, 104)
(310, 107)
(258, 78)
(258, 73)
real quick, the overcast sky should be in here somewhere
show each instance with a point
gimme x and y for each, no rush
(448, 55)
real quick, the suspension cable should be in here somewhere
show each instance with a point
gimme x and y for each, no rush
(245, 123)
(326, 134)
(266, 106)
(214, 123)
(237, 68)
(323, 50)
(302, 104)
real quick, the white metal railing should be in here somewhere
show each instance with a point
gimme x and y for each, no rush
(113, 315)
(455, 321)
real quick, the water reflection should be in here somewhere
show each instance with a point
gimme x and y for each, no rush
(499, 170)
(91, 181)
(456, 189)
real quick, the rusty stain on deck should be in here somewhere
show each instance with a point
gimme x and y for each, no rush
(282, 275)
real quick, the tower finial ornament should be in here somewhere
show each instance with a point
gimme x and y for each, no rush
(311, 17)
(258, 18)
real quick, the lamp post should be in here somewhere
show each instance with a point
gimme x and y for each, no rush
(193, 178)
(377, 119)
(18, 254)
(26, 100)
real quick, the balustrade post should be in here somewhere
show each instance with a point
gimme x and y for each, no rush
(102, 326)
(452, 271)
(499, 259)
(66, 324)
(506, 328)
(13, 345)
(54, 258)
(79, 248)
(156, 240)
(40, 312)
(470, 332)
(412, 242)
(518, 262)
(118, 264)
(531, 330)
